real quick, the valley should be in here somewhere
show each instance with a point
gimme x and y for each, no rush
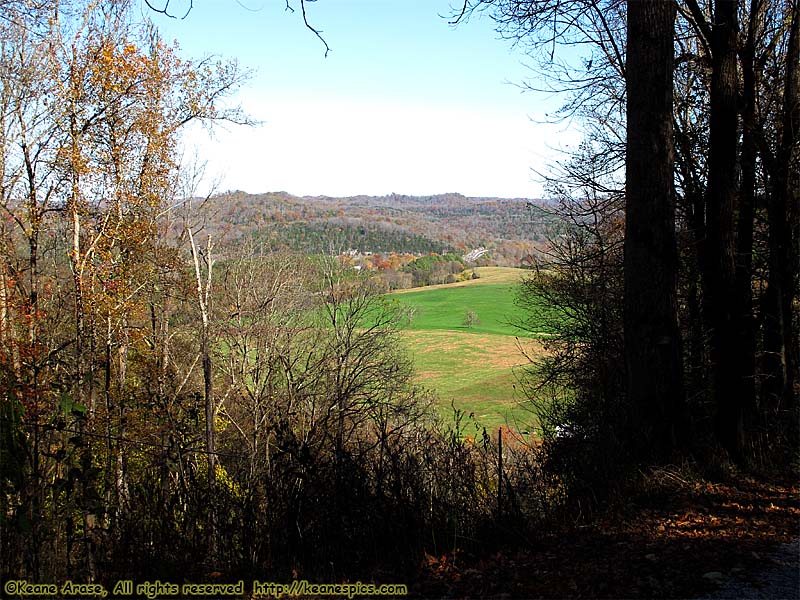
(462, 335)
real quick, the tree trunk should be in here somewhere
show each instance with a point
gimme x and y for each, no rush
(780, 339)
(720, 289)
(745, 322)
(204, 303)
(652, 341)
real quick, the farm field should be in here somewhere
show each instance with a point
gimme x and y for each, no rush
(476, 368)
(443, 307)
(477, 373)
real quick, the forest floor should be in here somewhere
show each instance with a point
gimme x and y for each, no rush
(681, 539)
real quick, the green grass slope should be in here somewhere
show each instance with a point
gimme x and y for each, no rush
(443, 307)
(476, 373)
(474, 367)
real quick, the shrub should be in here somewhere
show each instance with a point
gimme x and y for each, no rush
(471, 319)
(577, 388)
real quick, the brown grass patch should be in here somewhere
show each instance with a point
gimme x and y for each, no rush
(498, 351)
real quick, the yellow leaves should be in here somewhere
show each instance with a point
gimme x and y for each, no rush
(224, 480)
(118, 69)
(221, 423)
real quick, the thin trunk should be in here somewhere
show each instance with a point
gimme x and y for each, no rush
(5, 340)
(34, 220)
(8, 337)
(107, 396)
(120, 481)
(203, 301)
(76, 261)
(745, 321)
(694, 206)
(691, 178)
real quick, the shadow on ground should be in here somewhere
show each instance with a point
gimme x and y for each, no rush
(688, 542)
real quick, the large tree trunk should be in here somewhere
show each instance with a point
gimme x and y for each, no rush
(652, 340)
(720, 289)
(780, 341)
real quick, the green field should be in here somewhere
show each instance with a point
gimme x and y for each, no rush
(477, 373)
(443, 307)
(474, 367)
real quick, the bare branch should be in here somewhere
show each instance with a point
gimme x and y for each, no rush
(699, 22)
(317, 32)
(165, 9)
(456, 20)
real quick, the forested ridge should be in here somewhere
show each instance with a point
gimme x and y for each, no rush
(512, 230)
(206, 389)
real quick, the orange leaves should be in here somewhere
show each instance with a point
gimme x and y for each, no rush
(124, 68)
(444, 565)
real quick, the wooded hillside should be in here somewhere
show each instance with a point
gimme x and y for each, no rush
(512, 230)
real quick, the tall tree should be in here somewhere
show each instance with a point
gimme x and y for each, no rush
(745, 321)
(736, 144)
(782, 209)
(654, 381)
(719, 280)
(91, 106)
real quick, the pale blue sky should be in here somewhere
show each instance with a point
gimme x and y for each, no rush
(403, 103)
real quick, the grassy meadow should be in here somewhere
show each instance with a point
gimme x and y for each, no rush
(475, 367)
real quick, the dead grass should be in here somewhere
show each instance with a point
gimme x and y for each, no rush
(478, 373)
(466, 350)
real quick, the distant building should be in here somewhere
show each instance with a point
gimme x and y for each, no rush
(474, 255)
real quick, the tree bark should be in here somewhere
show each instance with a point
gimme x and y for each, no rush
(720, 289)
(780, 341)
(204, 302)
(654, 374)
(745, 321)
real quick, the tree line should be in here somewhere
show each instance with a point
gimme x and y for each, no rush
(417, 224)
(169, 408)
(679, 267)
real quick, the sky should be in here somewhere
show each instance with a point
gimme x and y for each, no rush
(403, 103)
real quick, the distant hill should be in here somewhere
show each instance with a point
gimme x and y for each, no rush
(510, 229)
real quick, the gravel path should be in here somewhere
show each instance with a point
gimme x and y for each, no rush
(778, 580)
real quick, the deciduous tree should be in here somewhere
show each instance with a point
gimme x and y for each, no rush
(653, 358)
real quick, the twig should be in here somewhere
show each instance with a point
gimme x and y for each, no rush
(317, 32)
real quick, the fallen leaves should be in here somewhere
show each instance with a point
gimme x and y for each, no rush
(694, 539)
